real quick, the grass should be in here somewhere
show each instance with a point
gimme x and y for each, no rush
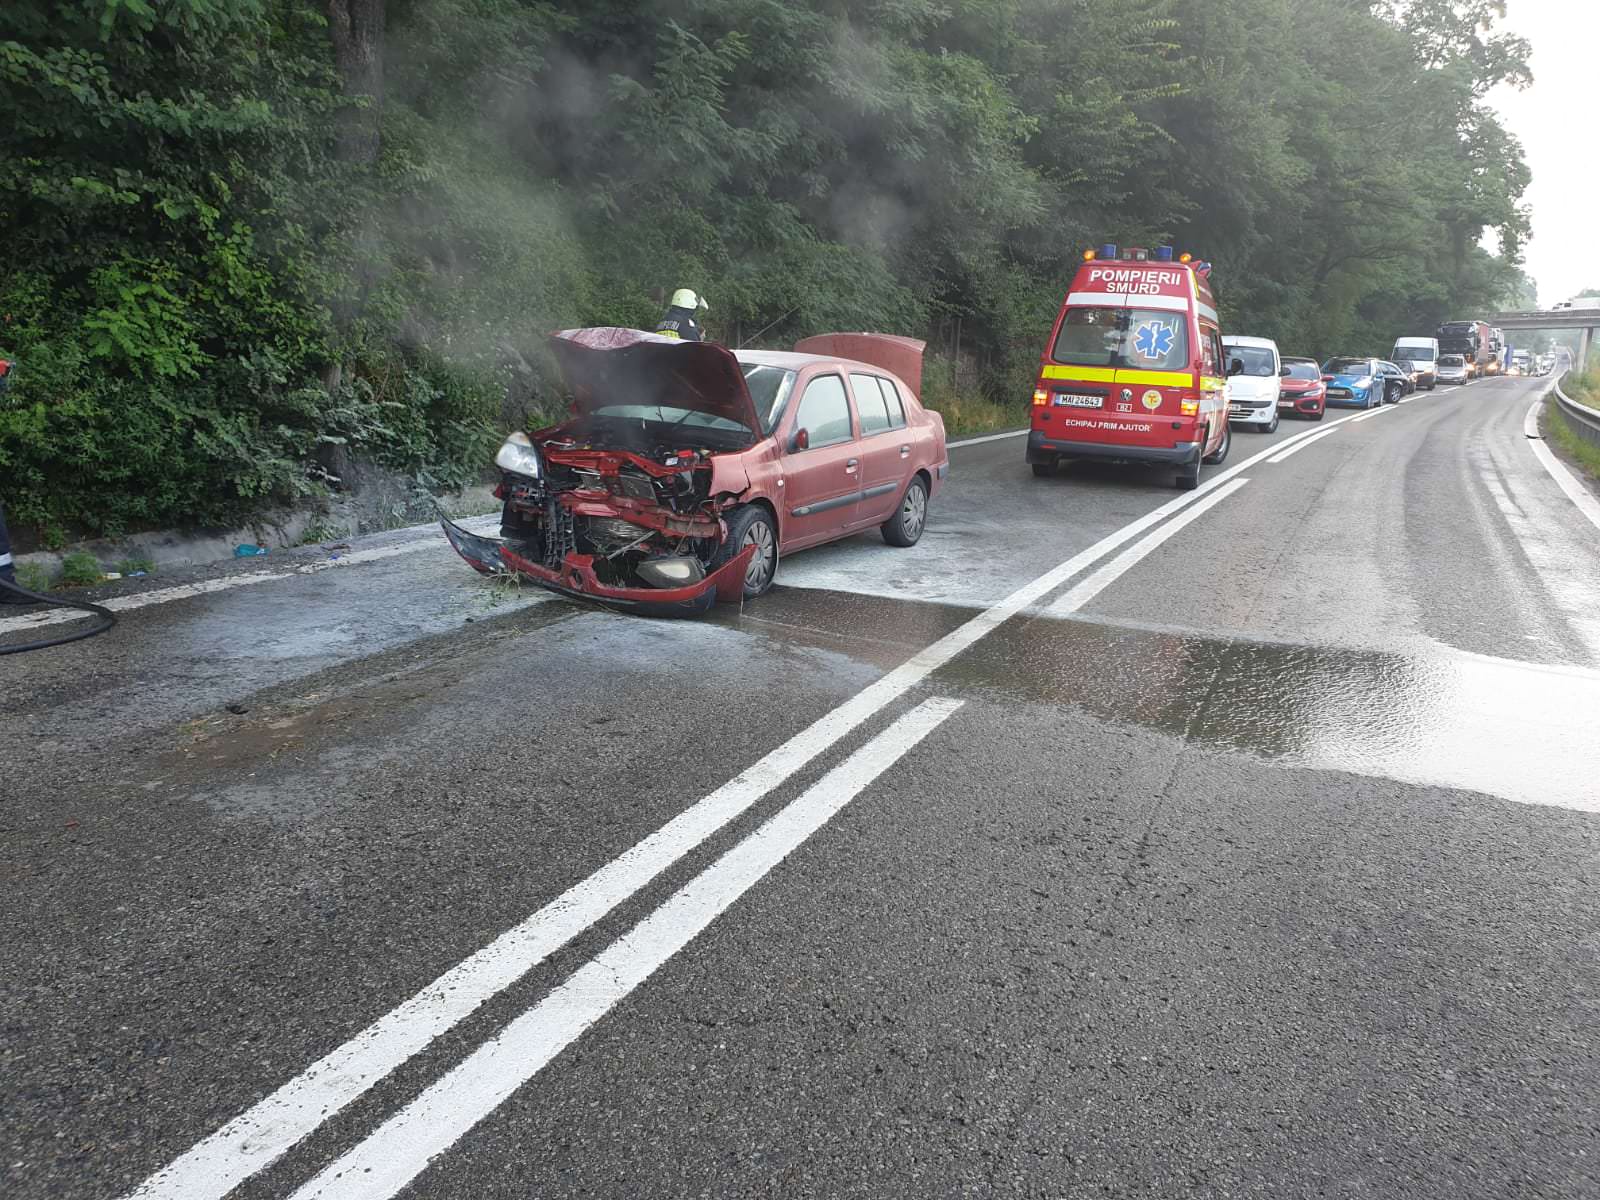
(321, 530)
(80, 569)
(965, 414)
(1583, 454)
(132, 566)
(33, 577)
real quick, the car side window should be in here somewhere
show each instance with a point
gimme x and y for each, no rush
(870, 407)
(824, 412)
(897, 407)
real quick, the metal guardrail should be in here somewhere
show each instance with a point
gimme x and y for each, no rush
(1583, 420)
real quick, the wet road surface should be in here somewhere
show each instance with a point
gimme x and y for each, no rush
(1113, 841)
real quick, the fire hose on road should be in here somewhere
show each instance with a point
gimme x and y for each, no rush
(10, 589)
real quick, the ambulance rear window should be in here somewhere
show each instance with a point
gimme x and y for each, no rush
(1141, 338)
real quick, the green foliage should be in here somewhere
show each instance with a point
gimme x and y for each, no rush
(137, 565)
(80, 569)
(33, 577)
(214, 307)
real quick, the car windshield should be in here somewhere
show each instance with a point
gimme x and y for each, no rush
(1302, 369)
(1256, 360)
(1452, 360)
(769, 388)
(1141, 338)
(1421, 354)
(1347, 366)
(668, 414)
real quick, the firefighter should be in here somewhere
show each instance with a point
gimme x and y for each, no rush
(679, 321)
(8, 569)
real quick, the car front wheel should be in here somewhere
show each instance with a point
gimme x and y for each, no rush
(910, 518)
(751, 525)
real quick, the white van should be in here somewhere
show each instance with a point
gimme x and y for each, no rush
(1418, 357)
(1255, 369)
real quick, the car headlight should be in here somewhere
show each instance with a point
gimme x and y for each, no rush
(520, 456)
(1364, 382)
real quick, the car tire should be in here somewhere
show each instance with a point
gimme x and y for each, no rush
(751, 523)
(1272, 426)
(1221, 451)
(910, 517)
(1043, 470)
(1317, 416)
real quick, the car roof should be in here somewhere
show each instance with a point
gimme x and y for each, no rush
(1242, 340)
(1299, 358)
(781, 358)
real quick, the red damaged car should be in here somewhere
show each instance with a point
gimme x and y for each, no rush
(686, 469)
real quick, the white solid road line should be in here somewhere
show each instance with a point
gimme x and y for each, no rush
(1377, 412)
(1316, 437)
(988, 437)
(184, 591)
(1081, 593)
(1564, 478)
(263, 1133)
(401, 1148)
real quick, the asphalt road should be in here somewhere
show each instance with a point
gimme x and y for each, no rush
(1114, 841)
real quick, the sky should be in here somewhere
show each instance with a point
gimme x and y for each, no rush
(1558, 121)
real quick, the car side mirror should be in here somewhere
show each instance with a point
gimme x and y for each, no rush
(1236, 367)
(801, 440)
(1283, 372)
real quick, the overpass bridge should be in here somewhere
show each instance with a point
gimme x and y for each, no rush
(1585, 320)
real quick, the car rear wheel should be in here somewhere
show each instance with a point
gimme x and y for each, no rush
(751, 525)
(906, 526)
(1222, 450)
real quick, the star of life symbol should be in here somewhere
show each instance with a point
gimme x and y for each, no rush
(1152, 340)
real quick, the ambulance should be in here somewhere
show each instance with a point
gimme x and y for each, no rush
(1134, 368)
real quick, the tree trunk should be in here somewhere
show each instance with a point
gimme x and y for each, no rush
(357, 30)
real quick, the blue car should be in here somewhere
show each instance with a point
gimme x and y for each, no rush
(1354, 382)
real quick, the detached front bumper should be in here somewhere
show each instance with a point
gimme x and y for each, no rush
(492, 556)
(1042, 449)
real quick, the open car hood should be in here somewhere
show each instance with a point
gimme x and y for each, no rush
(610, 365)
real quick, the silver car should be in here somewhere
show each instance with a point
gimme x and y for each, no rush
(1452, 368)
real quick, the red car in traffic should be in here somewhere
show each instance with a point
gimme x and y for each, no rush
(687, 470)
(1301, 391)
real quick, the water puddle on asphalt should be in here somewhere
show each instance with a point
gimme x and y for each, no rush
(1521, 731)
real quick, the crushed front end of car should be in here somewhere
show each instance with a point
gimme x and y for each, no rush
(622, 503)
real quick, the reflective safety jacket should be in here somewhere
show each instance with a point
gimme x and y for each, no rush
(680, 323)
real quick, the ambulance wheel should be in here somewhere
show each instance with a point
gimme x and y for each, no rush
(1222, 450)
(1044, 470)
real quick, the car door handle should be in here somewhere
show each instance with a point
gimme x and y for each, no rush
(905, 451)
(851, 464)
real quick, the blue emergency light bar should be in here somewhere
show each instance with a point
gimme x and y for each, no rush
(1163, 253)
(1109, 250)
